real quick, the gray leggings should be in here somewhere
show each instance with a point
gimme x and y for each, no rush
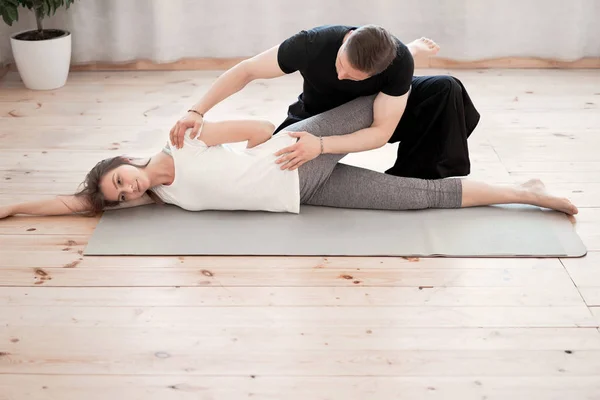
(326, 182)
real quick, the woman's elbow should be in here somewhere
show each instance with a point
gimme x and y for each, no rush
(268, 128)
(262, 134)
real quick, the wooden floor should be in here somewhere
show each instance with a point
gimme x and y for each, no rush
(74, 327)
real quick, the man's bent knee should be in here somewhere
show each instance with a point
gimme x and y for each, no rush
(448, 83)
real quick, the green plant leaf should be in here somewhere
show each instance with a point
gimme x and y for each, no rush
(12, 14)
(42, 8)
(6, 19)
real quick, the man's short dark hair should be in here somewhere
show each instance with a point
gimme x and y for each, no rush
(371, 49)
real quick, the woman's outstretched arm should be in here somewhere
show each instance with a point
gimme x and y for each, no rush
(218, 132)
(61, 205)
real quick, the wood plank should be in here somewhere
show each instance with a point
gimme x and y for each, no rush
(584, 271)
(80, 273)
(32, 243)
(49, 225)
(596, 312)
(318, 351)
(13, 198)
(49, 187)
(393, 317)
(540, 135)
(591, 295)
(118, 78)
(23, 253)
(522, 102)
(183, 387)
(97, 92)
(203, 359)
(102, 342)
(591, 179)
(290, 296)
(59, 160)
(21, 177)
(31, 122)
(552, 166)
(75, 138)
(575, 151)
(516, 120)
(134, 109)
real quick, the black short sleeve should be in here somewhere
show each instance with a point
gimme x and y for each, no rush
(400, 75)
(293, 53)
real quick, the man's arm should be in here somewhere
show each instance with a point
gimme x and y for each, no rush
(261, 66)
(387, 111)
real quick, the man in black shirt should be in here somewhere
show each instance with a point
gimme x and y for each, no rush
(431, 117)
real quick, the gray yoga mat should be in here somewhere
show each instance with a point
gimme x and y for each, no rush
(497, 231)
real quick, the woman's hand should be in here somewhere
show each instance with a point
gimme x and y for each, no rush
(6, 211)
(191, 121)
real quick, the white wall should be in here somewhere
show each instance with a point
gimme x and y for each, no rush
(167, 30)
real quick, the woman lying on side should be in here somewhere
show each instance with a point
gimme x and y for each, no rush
(205, 174)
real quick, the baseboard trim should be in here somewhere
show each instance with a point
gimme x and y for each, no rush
(513, 63)
(436, 62)
(225, 63)
(146, 65)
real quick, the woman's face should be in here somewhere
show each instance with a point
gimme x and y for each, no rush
(124, 183)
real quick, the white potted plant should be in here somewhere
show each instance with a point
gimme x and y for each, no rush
(42, 56)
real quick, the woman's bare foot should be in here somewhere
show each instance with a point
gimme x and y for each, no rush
(535, 190)
(423, 47)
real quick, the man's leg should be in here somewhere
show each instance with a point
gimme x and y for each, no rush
(433, 131)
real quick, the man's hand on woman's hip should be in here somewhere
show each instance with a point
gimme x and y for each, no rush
(305, 149)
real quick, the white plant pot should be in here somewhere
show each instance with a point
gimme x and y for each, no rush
(43, 64)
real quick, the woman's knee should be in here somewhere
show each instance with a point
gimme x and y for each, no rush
(347, 118)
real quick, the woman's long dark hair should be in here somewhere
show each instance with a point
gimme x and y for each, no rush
(91, 193)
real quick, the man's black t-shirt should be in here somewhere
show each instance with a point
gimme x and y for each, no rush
(313, 52)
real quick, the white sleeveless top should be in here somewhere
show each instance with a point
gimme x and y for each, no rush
(223, 178)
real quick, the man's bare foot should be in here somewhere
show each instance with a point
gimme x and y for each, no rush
(423, 47)
(536, 191)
